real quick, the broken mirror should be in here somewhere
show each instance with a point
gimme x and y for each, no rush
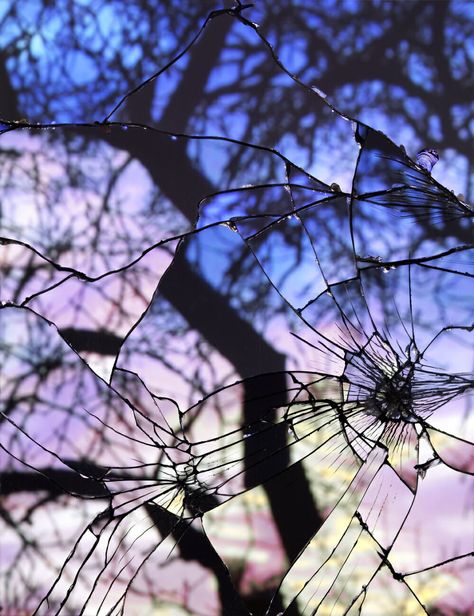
(236, 325)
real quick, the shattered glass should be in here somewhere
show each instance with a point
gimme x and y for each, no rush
(236, 366)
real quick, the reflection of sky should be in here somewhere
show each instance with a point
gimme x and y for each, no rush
(132, 192)
(266, 548)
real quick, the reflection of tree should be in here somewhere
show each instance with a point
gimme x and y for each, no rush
(407, 59)
(121, 50)
(404, 58)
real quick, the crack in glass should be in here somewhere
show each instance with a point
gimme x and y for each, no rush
(236, 357)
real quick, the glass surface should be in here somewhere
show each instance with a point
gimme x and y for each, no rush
(236, 319)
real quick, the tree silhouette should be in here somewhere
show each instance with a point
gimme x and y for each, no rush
(230, 329)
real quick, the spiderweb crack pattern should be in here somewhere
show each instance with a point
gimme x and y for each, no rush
(200, 339)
